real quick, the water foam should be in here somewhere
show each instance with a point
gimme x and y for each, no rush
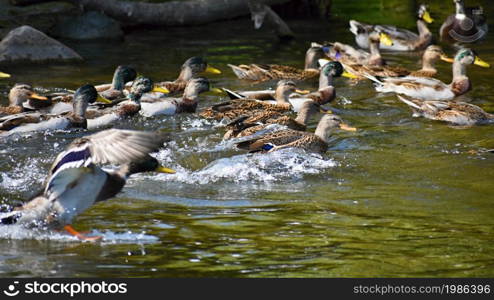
(269, 167)
(19, 232)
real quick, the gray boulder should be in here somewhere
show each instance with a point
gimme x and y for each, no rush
(28, 44)
(88, 26)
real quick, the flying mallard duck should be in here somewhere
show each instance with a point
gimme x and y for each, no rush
(313, 142)
(325, 93)
(403, 40)
(188, 102)
(457, 113)
(20, 94)
(467, 25)
(235, 108)
(260, 72)
(250, 124)
(4, 75)
(430, 88)
(40, 122)
(192, 68)
(128, 108)
(76, 181)
(429, 58)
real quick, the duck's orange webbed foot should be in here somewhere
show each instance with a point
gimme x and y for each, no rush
(81, 236)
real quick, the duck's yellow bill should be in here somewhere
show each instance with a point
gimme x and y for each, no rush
(347, 127)
(37, 97)
(215, 92)
(481, 63)
(302, 92)
(159, 89)
(325, 111)
(447, 59)
(427, 17)
(162, 169)
(212, 70)
(385, 39)
(349, 75)
(4, 75)
(103, 100)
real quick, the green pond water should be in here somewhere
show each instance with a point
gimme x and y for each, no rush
(400, 197)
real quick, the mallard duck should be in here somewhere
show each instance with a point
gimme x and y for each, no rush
(313, 142)
(403, 40)
(188, 102)
(250, 124)
(261, 72)
(39, 122)
(4, 75)
(457, 113)
(429, 58)
(122, 75)
(20, 94)
(234, 108)
(324, 94)
(467, 25)
(128, 108)
(76, 181)
(430, 88)
(192, 68)
(349, 55)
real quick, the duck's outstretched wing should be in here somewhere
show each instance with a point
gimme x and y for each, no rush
(113, 146)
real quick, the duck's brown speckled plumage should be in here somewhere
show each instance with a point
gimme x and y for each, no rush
(234, 108)
(313, 142)
(248, 125)
(264, 72)
(457, 113)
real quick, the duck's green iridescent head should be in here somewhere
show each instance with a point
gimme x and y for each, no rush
(83, 96)
(122, 75)
(126, 73)
(468, 56)
(332, 68)
(144, 85)
(149, 164)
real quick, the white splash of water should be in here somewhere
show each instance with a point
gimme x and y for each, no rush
(18, 232)
(269, 167)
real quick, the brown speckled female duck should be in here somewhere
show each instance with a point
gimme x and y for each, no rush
(248, 125)
(262, 72)
(312, 142)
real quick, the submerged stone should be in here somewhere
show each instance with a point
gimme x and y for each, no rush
(90, 25)
(26, 43)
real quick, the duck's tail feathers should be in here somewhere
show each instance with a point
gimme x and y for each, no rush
(409, 103)
(377, 80)
(240, 72)
(232, 94)
(354, 26)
